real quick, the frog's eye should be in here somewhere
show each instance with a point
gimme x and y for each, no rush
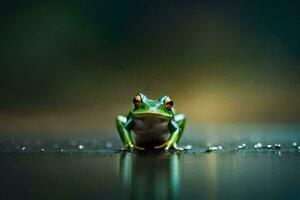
(137, 100)
(169, 103)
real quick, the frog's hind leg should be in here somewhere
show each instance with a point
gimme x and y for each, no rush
(180, 119)
(123, 126)
(123, 132)
(175, 136)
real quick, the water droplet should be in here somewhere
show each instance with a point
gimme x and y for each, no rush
(220, 147)
(188, 147)
(277, 146)
(80, 146)
(269, 146)
(294, 144)
(62, 150)
(108, 145)
(243, 146)
(298, 147)
(23, 148)
(212, 148)
(258, 145)
(42, 150)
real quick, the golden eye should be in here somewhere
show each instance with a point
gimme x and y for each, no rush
(137, 100)
(169, 103)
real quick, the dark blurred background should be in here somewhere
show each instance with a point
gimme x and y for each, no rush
(74, 66)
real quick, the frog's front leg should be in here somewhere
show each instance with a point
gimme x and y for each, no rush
(180, 119)
(124, 126)
(176, 127)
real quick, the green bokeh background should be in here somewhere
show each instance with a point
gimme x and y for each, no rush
(73, 66)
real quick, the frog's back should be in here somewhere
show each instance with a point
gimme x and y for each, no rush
(150, 130)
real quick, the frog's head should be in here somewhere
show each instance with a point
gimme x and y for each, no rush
(163, 107)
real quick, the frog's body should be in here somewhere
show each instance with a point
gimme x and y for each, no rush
(154, 123)
(150, 130)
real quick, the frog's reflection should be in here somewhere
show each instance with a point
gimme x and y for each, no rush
(154, 176)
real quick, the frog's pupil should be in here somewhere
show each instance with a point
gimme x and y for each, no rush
(171, 103)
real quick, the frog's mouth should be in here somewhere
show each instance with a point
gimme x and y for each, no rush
(151, 115)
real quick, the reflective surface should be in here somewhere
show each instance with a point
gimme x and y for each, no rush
(87, 168)
(154, 176)
(133, 176)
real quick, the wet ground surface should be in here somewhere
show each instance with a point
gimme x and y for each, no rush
(229, 161)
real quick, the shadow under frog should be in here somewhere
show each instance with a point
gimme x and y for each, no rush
(151, 176)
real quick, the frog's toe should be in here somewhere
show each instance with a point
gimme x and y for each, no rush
(138, 148)
(128, 147)
(161, 146)
(177, 148)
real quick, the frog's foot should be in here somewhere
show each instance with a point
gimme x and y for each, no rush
(177, 148)
(162, 146)
(133, 147)
(166, 146)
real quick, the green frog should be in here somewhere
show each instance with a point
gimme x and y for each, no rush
(154, 123)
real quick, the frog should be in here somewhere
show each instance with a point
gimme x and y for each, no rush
(151, 124)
